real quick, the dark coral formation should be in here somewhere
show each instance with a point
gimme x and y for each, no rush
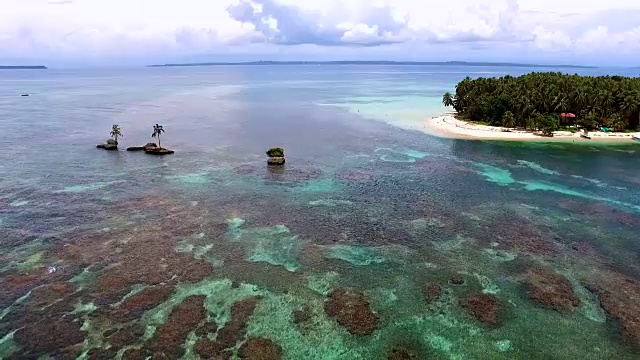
(44, 323)
(50, 294)
(133, 261)
(457, 280)
(208, 349)
(126, 336)
(184, 318)
(16, 285)
(101, 354)
(431, 292)
(486, 308)
(600, 211)
(402, 354)
(117, 259)
(134, 306)
(302, 315)
(114, 283)
(59, 337)
(351, 310)
(524, 236)
(355, 175)
(260, 349)
(550, 289)
(291, 175)
(236, 328)
(620, 297)
(136, 354)
(245, 169)
(206, 329)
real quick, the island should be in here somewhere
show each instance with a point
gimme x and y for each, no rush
(543, 104)
(23, 67)
(389, 63)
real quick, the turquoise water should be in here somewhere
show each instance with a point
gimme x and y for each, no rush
(95, 242)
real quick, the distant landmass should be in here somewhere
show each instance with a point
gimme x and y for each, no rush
(20, 67)
(444, 63)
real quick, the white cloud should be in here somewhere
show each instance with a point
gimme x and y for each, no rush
(151, 30)
(551, 39)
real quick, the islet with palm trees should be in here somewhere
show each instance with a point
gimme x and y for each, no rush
(547, 102)
(150, 148)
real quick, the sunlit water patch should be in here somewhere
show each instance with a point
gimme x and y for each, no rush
(536, 167)
(274, 245)
(89, 187)
(356, 255)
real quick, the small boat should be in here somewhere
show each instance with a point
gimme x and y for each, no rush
(585, 136)
(635, 137)
(24, 95)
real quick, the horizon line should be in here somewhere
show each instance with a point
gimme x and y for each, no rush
(372, 62)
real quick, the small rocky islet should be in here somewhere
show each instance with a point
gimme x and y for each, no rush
(275, 156)
(150, 148)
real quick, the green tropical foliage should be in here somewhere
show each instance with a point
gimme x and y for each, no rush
(157, 131)
(116, 133)
(275, 152)
(612, 101)
(508, 119)
(447, 99)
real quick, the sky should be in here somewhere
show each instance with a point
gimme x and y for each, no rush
(140, 32)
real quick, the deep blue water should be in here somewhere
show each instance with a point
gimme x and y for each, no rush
(366, 202)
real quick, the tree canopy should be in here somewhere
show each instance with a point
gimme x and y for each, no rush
(116, 132)
(536, 101)
(157, 131)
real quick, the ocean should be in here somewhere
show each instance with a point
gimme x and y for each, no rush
(375, 240)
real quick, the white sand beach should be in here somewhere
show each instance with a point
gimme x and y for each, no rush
(448, 126)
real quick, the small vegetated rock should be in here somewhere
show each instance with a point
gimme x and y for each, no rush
(276, 156)
(108, 146)
(158, 151)
(147, 146)
(112, 144)
(151, 148)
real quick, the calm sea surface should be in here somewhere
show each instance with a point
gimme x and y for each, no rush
(374, 240)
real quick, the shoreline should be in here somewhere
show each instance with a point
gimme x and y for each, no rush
(449, 127)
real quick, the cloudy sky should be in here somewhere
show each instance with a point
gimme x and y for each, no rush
(134, 32)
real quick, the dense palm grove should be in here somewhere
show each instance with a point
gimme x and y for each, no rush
(536, 100)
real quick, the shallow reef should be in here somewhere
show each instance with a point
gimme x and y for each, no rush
(369, 256)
